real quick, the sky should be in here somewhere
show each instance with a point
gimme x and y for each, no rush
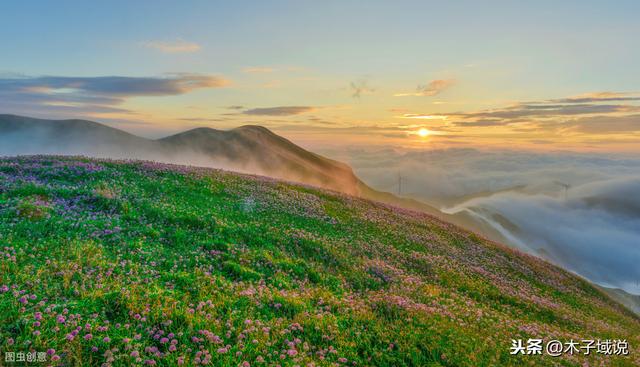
(540, 76)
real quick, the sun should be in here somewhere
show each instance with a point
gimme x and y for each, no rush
(423, 132)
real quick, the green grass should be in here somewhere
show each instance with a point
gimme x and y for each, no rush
(234, 269)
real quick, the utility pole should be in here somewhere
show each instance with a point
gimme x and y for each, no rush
(399, 184)
(566, 188)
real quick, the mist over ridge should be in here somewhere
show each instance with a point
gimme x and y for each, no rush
(246, 149)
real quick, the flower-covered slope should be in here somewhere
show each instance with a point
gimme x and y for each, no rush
(124, 263)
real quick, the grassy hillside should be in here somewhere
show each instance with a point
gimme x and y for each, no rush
(137, 262)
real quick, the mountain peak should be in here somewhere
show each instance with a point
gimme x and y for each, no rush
(249, 148)
(254, 128)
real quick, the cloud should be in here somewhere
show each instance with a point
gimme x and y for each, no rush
(174, 47)
(320, 121)
(595, 231)
(202, 119)
(432, 88)
(606, 124)
(586, 114)
(599, 97)
(258, 70)
(422, 116)
(481, 123)
(115, 86)
(360, 87)
(454, 174)
(102, 94)
(279, 111)
(532, 110)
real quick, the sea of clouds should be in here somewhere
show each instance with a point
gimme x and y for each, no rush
(581, 211)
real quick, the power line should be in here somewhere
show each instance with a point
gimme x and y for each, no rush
(400, 178)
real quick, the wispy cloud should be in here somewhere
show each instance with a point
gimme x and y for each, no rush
(589, 113)
(534, 110)
(94, 94)
(173, 47)
(360, 87)
(605, 124)
(599, 97)
(430, 89)
(420, 116)
(171, 84)
(279, 111)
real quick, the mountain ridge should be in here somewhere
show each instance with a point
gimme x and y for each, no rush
(247, 148)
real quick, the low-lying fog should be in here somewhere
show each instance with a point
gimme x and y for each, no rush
(582, 211)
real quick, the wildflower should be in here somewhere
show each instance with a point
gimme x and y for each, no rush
(88, 337)
(106, 339)
(55, 357)
(51, 352)
(246, 364)
(135, 354)
(164, 340)
(61, 319)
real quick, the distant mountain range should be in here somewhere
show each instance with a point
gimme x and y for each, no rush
(249, 149)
